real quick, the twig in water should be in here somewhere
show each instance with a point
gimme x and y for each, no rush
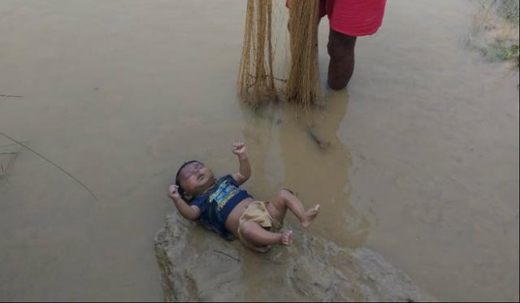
(11, 96)
(227, 255)
(294, 283)
(5, 170)
(322, 144)
(54, 164)
(11, 144)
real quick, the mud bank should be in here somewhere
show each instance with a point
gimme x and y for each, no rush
(198, 267)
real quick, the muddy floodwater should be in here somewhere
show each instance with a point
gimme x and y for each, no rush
(422, 165)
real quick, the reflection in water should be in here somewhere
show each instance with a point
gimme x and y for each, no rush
(285, 151)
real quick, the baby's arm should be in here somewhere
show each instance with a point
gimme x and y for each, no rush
(190, 212)
(244, 172)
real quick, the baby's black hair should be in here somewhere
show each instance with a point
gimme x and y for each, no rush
(177, 181)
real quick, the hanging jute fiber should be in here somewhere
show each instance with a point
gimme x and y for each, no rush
(303, 81)
(257, 83)
(256, 79)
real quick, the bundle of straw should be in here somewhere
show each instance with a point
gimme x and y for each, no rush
(256, 79)
(303, 83)
(256, 84)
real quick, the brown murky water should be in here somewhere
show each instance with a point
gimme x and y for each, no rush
(422, 164)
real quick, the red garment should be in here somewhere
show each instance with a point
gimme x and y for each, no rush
(353, 17)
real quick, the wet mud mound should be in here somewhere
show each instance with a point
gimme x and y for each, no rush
(196, 265)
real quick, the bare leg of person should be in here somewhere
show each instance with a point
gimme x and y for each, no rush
(341, 67)
(255, 234)
(287, 200)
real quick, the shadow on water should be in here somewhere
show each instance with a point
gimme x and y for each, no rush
(300, 150)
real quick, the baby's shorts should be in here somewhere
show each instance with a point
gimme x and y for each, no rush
(257, 212)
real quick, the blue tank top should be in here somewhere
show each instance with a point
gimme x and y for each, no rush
(217, 203)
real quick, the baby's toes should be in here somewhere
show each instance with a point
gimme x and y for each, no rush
(287, 237)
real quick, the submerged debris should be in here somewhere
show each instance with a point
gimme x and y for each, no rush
(320, 142)
(7, 160)
(11, 96)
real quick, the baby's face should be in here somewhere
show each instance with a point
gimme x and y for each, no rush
(195, 178)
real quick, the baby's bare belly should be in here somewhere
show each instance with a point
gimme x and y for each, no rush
(233, 219)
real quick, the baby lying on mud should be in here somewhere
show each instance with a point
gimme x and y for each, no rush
(223, 207)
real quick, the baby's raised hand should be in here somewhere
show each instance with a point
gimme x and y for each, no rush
(173, 192)
(239, 148)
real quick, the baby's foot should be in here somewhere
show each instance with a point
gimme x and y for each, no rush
(286, 238)
(310, 215)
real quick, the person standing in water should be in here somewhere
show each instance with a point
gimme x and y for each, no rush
(348, 20)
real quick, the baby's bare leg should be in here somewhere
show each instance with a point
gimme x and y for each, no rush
(287, 200)
(255, 234)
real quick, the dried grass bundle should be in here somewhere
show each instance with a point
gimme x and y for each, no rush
(256, 79)
(303, 82)
(256, 84)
